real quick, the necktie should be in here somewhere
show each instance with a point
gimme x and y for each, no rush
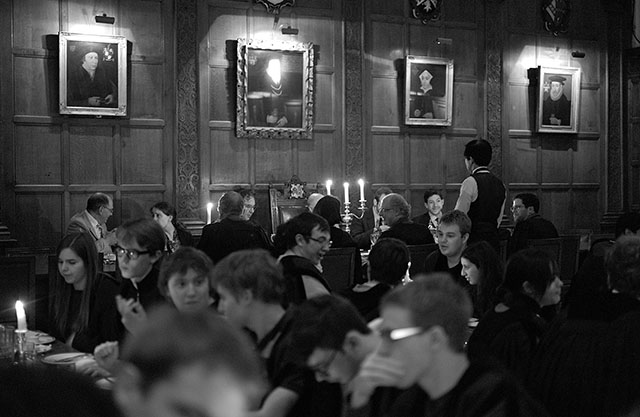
(100, 232)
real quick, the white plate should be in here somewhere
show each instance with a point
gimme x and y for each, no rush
(39, 338)
(473, 322)
(64, 358)
(43, 348)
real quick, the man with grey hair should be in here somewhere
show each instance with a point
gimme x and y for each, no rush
(231, 233)
(93, 220)
(396, 213)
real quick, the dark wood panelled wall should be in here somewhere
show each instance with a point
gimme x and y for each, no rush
(178, 142)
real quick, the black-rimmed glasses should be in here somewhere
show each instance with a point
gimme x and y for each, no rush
(131, 253)
(393, 335)
(323, 240)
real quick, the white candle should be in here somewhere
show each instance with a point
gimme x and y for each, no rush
(346, 192)
(361, 184)
(329, 183)
(209, 208)
(21, 316)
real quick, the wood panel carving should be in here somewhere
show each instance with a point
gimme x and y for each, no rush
(494, 46)
(188, 162)
(353, 89)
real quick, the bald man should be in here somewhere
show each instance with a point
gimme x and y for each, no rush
(231, 233)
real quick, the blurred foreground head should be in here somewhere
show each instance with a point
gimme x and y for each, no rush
(187, 364)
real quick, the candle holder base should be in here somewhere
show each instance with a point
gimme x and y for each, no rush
(20, 343)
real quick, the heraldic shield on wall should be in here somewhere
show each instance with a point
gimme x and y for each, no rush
(426, 10)
(555, 14)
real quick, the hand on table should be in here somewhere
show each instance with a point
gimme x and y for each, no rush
(106, 355)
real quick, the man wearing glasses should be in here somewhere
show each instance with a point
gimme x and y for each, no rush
(93, 220)
(396, 212)
(423, 332)
(529, 224)
(304, 239)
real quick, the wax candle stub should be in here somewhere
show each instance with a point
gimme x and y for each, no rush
(361, 184)
(346, 192)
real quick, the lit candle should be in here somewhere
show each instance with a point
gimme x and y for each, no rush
(361, 184)
(209, 208)
(346, 192)
(328, 186)
(22, 317)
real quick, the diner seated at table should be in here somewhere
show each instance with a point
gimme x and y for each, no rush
(187, 364)
(176, 234)
(453, 233)
(387, 266)
(483, 269)
(82, 299)
(140, 250)
(328, 207)
(587, 364)
(396, 212)
(511, 331)
(423, 332)
(334, 340)
(370, 222)
(300, 244)
(252, 292)
(434, 203)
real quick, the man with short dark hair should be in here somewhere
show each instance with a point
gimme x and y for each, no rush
(231, 232)
(395, 211)
(93, 220)
(423, 331)
(252, 293)
(482, 194)
(303, 241)
(434, 204)
(371, 221)
(453, 236)
(529, 224)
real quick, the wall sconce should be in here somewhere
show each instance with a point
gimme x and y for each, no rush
(289, 30)
(444, 41)
(578, 54)
(105, 19)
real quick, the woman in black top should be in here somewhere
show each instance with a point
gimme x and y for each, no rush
(511, 331)
(177, 235)
(82, 304)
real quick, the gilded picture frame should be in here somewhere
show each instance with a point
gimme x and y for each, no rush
(558, 100)
(428, 91)
(93, 74)
(274, 89)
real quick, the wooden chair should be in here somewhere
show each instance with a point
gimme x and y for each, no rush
(569, 257)
(419, 254)
(553, 246)
(285, 205)
(338, 268)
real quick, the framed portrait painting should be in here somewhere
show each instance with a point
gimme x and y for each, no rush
(558, 100)
(275, 89)
(93, 74)
(428, 91)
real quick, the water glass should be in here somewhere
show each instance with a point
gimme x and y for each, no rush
(7, 342)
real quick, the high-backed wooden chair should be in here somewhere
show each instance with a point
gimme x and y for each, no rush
(553, 246)
(338, 268)
(569, 257)
(419, 254)
(284, 207)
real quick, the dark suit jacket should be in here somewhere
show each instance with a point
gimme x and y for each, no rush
(410, 233)
(229, 235)
(534, 227)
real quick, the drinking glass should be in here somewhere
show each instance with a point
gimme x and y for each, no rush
(374, 237)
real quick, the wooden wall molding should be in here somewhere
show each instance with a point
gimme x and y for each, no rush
(188, 158)
(354, 152)
(494, 24)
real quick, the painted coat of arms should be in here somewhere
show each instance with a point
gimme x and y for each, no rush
(426, 10)
(555, 14)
